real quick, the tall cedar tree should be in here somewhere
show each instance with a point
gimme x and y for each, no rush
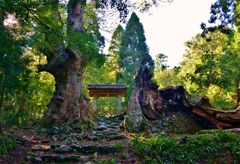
(114, 51)
(134, 52)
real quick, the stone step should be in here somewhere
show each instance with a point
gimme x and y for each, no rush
(85, 149)
(56, 159)
(75, 153)
(69, 150)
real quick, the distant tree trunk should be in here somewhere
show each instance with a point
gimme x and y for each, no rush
(69, 101)
(238, 95)
(1, 98)
(4, 80)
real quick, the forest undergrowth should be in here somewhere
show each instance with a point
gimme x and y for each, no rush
(207, 146)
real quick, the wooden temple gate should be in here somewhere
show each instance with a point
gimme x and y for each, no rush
(107, 90)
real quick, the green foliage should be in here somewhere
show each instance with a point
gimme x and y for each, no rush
(114, 53)
(14, 71)
(115, 70)
(161, 62)
(116, 40)
(208, 66)
(162, 76)
(123, 155)
(208, 148)
(17, 66)
(91, 25)
(41, 29)
(168, 77)
(218, 54)
(102, 75)
(28, 104)
(89, 45)
(109, 161)
(220, 97)
(118, 146)
(133, 53)
(7, 143)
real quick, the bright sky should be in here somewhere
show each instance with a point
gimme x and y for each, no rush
(169, 26)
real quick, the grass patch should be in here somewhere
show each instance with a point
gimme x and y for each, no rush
(109, 161)
(218, 146)
(7, 143)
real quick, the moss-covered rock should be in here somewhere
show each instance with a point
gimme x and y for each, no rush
(181, 122)
(133, 123)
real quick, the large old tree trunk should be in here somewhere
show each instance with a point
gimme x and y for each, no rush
(134, 119)
(167, 103)
(69, 101)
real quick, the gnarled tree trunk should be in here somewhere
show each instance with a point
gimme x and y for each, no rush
(67, 66)
(166, 104)
(133, 120)
(68, 101)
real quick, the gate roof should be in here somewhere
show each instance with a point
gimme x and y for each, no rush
(107, 90)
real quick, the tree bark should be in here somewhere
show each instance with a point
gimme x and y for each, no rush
(140, 97)
(133, 120)
(67, 66)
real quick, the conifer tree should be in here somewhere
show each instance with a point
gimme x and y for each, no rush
(134, 52)
(114, 51)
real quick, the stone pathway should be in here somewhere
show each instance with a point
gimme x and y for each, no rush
(67, 144)
(106, 140)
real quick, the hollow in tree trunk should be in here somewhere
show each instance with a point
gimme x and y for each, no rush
(69, 101)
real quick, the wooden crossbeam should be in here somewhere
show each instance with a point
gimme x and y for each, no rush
(107, 92)
(97, 91)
